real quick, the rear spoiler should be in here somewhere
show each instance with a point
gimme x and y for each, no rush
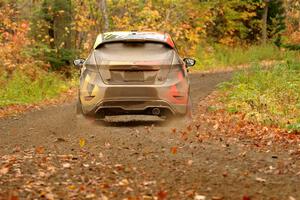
(169, 44)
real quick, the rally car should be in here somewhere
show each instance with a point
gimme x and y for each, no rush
(134, 73)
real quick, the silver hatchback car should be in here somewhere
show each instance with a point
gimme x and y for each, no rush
(137, 73)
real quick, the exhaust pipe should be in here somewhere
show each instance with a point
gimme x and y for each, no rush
(156, 111)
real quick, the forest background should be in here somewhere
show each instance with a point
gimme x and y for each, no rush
(40, 38)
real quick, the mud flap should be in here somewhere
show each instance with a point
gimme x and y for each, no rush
(78, 107)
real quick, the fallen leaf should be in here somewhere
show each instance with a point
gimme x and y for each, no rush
(119, 167)
(86, 165)
(174, 130)
(243, 154)
(72, 187)
(174, 150)
(146, 196)
(189, 128)
(184, 135)
(49, 196)
(225, 174)
(40, 150)
(260, 180)
(246, 198)
(146, 183)
(103, 197)
(190, 193)
(107, 145)
(292, 198)
(90, 196)
(4, 170)
(216, 198)
(190, 162)
(161, 195)
(216, 126)
(82, 142)
(124, 182)
(41, 174)
(66, 165)
(60, 140)
(13, 196)
(199, 197)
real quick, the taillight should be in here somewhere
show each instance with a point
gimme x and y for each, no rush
(178, 92)
(176, 73)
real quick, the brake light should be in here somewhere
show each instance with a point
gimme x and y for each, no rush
(176, 72)
(180, 75)
(178, 92)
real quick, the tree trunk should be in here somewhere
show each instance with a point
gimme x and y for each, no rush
(103, 7)
(265, 22)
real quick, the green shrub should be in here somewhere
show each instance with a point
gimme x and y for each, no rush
(223, 57)
(269, 96)
(21, 89)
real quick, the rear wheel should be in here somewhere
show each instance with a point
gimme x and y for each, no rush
(181, 120)
(187, 118)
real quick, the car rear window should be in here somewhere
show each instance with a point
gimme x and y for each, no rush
(147, 53)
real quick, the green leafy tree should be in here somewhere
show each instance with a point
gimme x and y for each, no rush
(51, 28)
(274, 16)
(234, 21)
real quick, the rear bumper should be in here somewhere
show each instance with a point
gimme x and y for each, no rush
(132, 105)
(172, 96)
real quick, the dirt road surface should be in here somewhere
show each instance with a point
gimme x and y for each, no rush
(53, 154)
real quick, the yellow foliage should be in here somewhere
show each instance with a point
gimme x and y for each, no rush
(82, 143)
(179, 18)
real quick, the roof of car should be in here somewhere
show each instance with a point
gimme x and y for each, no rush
(133, 36)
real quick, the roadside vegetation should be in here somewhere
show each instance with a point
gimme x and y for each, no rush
(270, 96)
(22, 89)
(223, 57)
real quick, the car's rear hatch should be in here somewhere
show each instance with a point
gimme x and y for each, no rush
(135, 63)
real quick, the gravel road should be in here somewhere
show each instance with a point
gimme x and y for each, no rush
(53, 154)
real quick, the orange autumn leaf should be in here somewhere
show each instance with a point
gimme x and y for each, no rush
(174, 130)
(174, 150)
(40, 150)
(161, 195)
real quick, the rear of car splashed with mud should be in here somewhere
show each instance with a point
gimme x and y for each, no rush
(137, 74)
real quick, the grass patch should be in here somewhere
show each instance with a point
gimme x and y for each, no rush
(223, 57)
(269, 96)
(21, 89)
